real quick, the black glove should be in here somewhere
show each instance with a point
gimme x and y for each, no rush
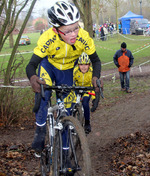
(95, 102)
(35, 83)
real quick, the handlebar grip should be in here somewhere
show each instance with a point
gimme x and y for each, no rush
(90, 93)
(38, 97)
(42, 89)
(98, 83)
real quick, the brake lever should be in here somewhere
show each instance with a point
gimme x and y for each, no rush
(42, 88)
(98, 82)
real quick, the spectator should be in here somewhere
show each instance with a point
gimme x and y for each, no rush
(105, 33)
(97, 33)
(41, 32)
(120, 27)
(102, 33)
(93, 33)
(123, 59)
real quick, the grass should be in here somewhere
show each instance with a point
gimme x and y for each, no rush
(112, 93)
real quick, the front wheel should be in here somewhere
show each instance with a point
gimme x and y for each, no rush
(78, 113)
(77, 157)
(46, 156)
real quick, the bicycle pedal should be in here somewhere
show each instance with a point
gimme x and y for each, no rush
(37, 155)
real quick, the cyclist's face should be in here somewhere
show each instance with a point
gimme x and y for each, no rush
(84, 67)
(69, 33)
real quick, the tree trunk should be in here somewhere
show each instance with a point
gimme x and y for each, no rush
(11, 41)
(86, 15)
(8, 70)
(88, 23)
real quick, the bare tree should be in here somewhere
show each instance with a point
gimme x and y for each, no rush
(99, 8)
(9, 16)
(8, 70)
(116, 4)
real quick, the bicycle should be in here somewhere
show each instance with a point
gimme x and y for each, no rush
(52, 159)
(77, 110)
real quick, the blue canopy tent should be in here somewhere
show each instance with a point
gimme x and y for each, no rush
(125, 21)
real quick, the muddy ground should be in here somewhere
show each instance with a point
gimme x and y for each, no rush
(112, 126)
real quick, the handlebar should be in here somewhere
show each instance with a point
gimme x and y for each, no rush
(64, 89)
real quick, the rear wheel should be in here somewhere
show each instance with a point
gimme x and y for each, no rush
(78, 155)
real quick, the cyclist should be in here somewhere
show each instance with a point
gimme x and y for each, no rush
(82, 76)
(57, 50)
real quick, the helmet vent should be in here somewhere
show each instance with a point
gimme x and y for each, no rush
(62, 20)
(72, 9)
(53, 10)
(65, 7)
(77, 16)
(70, 16)
(60, 12)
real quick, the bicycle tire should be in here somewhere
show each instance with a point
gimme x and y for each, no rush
(46, 159)
(80, 147)
(78, 113)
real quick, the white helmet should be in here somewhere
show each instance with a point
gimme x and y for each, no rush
(63, 13)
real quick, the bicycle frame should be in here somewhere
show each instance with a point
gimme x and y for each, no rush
(55, 125)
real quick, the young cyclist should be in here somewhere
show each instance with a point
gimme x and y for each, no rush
(82, 76)
(57, 50)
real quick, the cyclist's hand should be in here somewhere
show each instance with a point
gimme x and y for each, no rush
(35, 83)
(95, 84)
(95, 102)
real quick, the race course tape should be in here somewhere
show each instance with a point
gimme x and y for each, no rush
(15, 87)
(16, 53)
(131, 38)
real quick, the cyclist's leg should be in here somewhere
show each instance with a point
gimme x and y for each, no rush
(86, 107)
(65, 77)
(46, 72)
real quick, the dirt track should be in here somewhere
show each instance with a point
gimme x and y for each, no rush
(129, 115)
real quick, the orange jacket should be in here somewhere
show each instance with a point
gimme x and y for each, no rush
(123, 60)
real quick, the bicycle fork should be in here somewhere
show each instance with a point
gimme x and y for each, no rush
(67, 155)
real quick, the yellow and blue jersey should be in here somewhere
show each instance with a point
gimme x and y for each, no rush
(60, 54)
